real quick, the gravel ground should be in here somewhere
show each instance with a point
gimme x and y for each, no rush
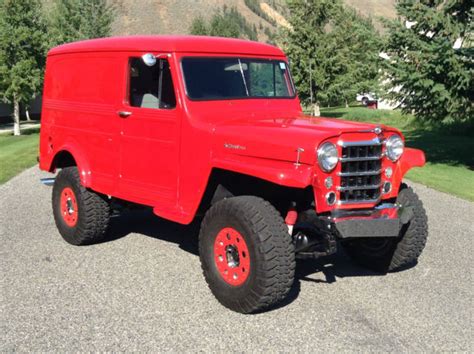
(143, 291)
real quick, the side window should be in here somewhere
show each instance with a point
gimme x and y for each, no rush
(151, 86)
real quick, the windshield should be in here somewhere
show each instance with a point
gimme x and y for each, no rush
(232, 78)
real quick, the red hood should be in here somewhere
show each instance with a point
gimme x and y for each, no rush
(278, 138)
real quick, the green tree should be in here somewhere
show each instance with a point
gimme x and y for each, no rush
(22, 53)
(305, 45)
(355, 45)
(227, 22)
(73, 20)
(430, 65)
(333, 51)
(199, 27)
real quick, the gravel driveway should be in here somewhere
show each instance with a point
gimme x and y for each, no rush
(144, 291)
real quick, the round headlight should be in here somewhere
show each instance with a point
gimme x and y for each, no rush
(395, 147)
(327, 156)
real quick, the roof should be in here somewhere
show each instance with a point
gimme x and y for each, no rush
(196, 44)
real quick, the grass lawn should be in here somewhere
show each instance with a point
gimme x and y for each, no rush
(450, 158)
(17, 153)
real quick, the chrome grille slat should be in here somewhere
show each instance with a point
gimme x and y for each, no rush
(361, 168)
(373, 186)
(355, 174)
(371, 158)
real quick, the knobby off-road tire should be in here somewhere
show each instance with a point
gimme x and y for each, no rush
(251, 229)
(81, 215)
(393, 254)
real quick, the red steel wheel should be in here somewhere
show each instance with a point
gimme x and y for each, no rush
(232, 257)
(68, 205)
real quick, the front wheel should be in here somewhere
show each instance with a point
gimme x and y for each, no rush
(247, 256)
(392, 254)
(81, 215)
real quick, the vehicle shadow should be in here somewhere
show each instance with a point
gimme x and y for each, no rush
(144, 222)
(331, 267)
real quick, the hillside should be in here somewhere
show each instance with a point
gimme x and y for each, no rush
(175, 16)
(172, 16)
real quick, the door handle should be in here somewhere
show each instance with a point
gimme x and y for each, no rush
(124, 114)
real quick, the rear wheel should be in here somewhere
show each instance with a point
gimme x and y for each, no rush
(81, 215)
(365, 101)
(247, 256)
(392, 254)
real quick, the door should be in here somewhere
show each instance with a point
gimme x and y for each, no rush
(149, 134)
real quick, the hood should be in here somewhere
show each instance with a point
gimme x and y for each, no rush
(279, 138)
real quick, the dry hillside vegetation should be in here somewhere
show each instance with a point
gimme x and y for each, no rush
(374, 9)
(273, 14)
(175, 16)
(172, 16)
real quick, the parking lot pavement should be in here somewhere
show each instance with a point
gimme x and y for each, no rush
(144, 291)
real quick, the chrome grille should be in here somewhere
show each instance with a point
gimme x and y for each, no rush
(361, 167)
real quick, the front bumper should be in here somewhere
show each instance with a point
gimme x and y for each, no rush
(385, 220)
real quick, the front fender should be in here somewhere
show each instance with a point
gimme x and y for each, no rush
(411, 158)
(283, 173)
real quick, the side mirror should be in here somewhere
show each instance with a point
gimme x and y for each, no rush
(149, 59)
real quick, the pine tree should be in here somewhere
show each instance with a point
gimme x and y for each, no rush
(305, 45)
(22, 53)
(74, 20)
(98, 17)
(431, 60)
(227, 22)
(354, 64)
(333, 51)
(199, 27)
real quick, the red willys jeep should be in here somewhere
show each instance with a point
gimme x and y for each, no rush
(193, 126)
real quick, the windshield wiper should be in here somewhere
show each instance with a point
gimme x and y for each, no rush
(243, 78)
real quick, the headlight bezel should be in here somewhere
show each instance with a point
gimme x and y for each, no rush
(394, 147)
(325, 152)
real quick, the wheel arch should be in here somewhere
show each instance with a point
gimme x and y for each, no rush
(224, 184)
(69, 156)
(411, 158)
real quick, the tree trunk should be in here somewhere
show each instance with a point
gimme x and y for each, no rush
(316, 110)
(27, 114)
(16, 117)
(347, 104)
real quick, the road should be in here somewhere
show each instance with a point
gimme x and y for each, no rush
(143, 290)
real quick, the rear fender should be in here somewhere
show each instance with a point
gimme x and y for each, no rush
(82, 162)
